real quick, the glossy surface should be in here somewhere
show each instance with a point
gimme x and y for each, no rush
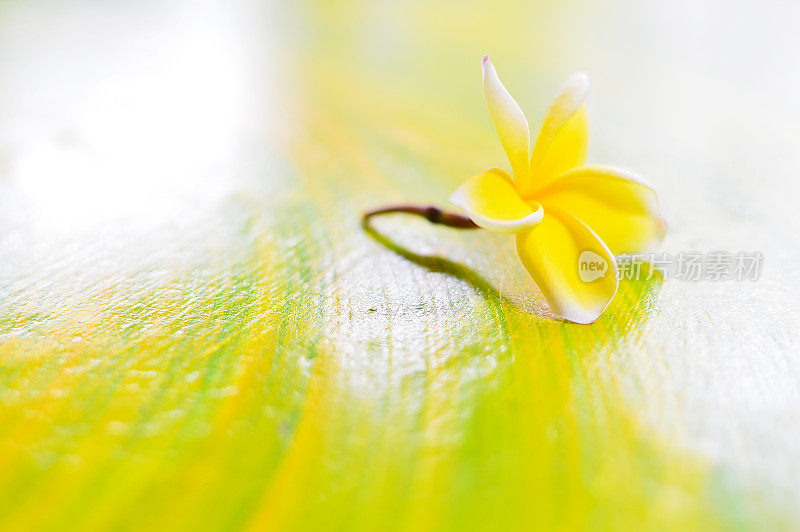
(197, 332)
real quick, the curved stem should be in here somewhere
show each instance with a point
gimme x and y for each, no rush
(430, 212)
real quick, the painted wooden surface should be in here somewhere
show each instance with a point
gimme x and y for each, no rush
(197, 332)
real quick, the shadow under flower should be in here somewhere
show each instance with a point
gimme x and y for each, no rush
(438, 264)
(633, 304)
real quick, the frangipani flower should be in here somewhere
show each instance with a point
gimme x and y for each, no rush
(559, 210)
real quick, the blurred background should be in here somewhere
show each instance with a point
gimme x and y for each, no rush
(196, 332)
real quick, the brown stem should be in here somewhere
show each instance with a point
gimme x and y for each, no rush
(431, 212)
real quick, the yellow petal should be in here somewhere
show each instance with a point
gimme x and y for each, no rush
(510, 123)
(564, 136)
(619, 206)
(492, 202)
(573, 268)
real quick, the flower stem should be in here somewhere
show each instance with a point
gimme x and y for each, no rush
(430, 212)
